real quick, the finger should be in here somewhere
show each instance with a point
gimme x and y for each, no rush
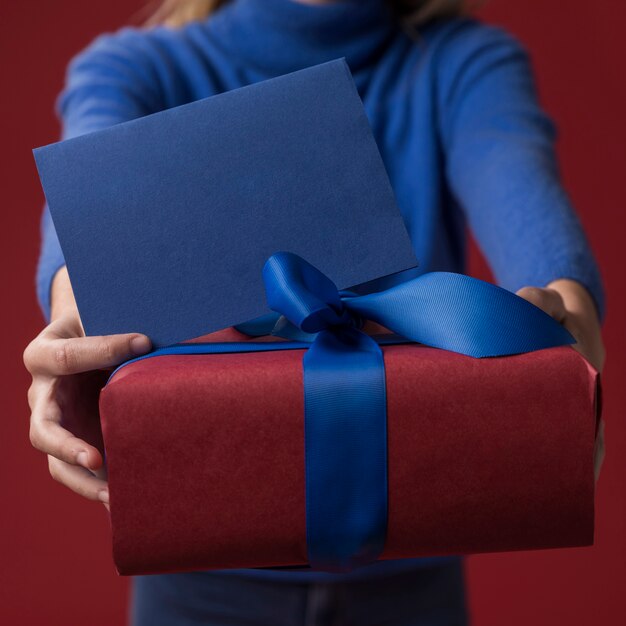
(47, 435)
(62, 328)
(60, 357)
(548, 300)
(79, 480)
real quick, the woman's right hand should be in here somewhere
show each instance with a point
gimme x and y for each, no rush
(66, 368)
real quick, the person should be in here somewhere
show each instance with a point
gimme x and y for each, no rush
(454, 110)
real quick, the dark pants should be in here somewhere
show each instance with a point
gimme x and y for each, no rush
(429, 596)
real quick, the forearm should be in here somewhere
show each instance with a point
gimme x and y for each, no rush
(501, 166)
(109, 82)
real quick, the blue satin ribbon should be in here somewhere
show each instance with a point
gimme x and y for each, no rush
(344, 380)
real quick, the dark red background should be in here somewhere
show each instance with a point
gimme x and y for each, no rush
(56, 565)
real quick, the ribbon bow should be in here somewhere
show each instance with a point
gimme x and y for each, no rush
(439, 309)
(344, 381)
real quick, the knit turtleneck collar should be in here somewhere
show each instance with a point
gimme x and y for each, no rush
(280, 36)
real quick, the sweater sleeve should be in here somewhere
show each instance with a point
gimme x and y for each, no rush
(501, 164)
(115, 79)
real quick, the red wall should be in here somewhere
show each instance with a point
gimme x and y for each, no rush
(56, 565)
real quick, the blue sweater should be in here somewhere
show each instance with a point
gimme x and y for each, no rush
(453, 109)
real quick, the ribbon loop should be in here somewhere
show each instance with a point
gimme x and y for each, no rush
(439, 309)
(305, 296)
(462, 314)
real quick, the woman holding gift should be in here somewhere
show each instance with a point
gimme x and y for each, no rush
(453, 108)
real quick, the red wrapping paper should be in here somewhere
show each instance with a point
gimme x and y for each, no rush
(205, 456)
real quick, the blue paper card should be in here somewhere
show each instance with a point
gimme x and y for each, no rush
(166, 221)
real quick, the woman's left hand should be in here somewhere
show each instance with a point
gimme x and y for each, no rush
(568, 302)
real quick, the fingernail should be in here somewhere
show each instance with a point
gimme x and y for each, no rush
(140, 344)
(103, 496)
(82, 458)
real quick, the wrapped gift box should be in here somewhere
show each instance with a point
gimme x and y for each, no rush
(205, 455)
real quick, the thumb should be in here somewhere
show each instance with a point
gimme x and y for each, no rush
(548, 300)
(82, 354)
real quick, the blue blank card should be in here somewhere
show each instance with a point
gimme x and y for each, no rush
(166, 221)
